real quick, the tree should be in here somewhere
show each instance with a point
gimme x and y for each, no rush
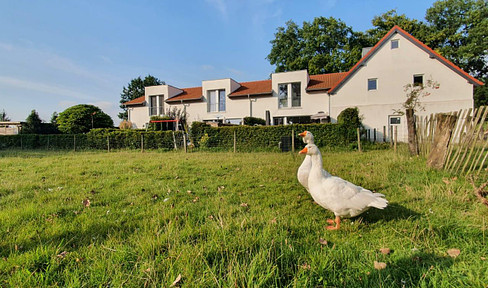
(412, 104)
(32, 124)
(325, 45)
(384, 22)
(134, 90)
(350, 117)
(81, 118)
(459, 31)
(54, 118)
(3, 116)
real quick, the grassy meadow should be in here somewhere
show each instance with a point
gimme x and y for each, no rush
(162, 219)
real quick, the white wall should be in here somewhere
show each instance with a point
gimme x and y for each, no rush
(394, 68)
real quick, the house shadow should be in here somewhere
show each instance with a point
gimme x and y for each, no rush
(408, 271)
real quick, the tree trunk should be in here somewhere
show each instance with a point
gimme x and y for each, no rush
(442, 136)
(413, 146)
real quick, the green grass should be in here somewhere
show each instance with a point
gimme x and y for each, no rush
(230, 220)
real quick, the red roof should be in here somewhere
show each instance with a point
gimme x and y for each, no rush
(136, 101)
(324, 81)
(262, 87)
(432, 54)
(188, 94)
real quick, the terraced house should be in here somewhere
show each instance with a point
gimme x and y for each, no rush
(375, 85)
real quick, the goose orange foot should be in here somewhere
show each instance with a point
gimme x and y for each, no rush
(337, 223)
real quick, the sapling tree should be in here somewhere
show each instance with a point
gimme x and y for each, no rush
(414, 93)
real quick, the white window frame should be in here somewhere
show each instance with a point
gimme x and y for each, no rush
(289, 97)
(219, 105)
(376, 84)
(396, 45)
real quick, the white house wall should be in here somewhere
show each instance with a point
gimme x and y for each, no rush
(394, 68)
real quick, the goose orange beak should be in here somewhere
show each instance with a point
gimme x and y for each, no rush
(303, 151)
(303, 134)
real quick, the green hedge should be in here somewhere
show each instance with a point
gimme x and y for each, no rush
(259, 137)
(248, 138)
(95, 139)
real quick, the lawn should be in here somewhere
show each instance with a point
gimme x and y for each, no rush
(156, 219)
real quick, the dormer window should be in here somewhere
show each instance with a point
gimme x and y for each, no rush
(394, 44)
(289, 93)
(216, 100)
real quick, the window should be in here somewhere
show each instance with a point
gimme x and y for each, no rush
(394, 120)
(372, 84)
(289, 92)
(216, 101)
(153, 105)
(156, 105)
(278, 120)
(418, 80)
(394, 44)
(282, 95)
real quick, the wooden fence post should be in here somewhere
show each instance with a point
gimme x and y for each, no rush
(396, 139)
(108, 143)
(184, 141)
(235, 141)
(359, 139)
(174, 140)
(74, 142)
(293, 141)
(142, 142)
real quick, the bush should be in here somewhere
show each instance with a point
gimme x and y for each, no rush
(252, 121)
(350, 117)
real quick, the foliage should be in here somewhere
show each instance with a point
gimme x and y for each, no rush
(161, 126)
(251, 121)
(414, 92)
(481, 94)
(384, 22)
(136, 89)
(81, 118)
(3, 116)
(230, 220)
(250, 138)
(323, 46)
(125, 125)
(459, 31)
(54, 118)
(350, 117)
(34, 125)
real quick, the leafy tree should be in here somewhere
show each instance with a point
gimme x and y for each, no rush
(384, 22)
(325, 45)
(32, 124)
(3, 116)
(459, 31)
(481, 94)
(54, 118)
(81, 118)
(135, 89)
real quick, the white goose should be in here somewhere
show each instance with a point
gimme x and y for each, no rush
(304, 169)
(341, 197)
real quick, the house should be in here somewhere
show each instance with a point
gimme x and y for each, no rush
(10, 128)
(375, 85)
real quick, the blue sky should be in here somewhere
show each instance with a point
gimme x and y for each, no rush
(56, 54)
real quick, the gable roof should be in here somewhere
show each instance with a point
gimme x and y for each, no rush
(323, 82)
(137, 101)
(188, 94)
(416, 42)
(254, 88)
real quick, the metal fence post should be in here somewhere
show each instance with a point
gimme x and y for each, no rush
(235, 141)
(74, 142)
(142, 142)
(108, 143)
(293, 141)
(359, 139)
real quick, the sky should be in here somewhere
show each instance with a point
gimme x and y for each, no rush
(55, 54)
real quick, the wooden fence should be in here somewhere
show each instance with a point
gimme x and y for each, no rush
(467, 146)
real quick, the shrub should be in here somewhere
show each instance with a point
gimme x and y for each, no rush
(350, 117)
(252, 121)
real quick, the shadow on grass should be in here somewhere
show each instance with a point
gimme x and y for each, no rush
(68, 239)
(411, 271)
(393, 212)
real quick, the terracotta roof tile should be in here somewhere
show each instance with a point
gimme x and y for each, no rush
(324, 81)
(188, 94)
(262, 87)
(136, 101)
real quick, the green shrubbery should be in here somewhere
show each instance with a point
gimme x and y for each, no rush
(248, 138)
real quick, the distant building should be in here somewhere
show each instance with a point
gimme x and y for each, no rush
(10, 128)
(374, 85)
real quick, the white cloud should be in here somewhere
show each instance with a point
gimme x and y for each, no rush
(41, 87)
(220, 5)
